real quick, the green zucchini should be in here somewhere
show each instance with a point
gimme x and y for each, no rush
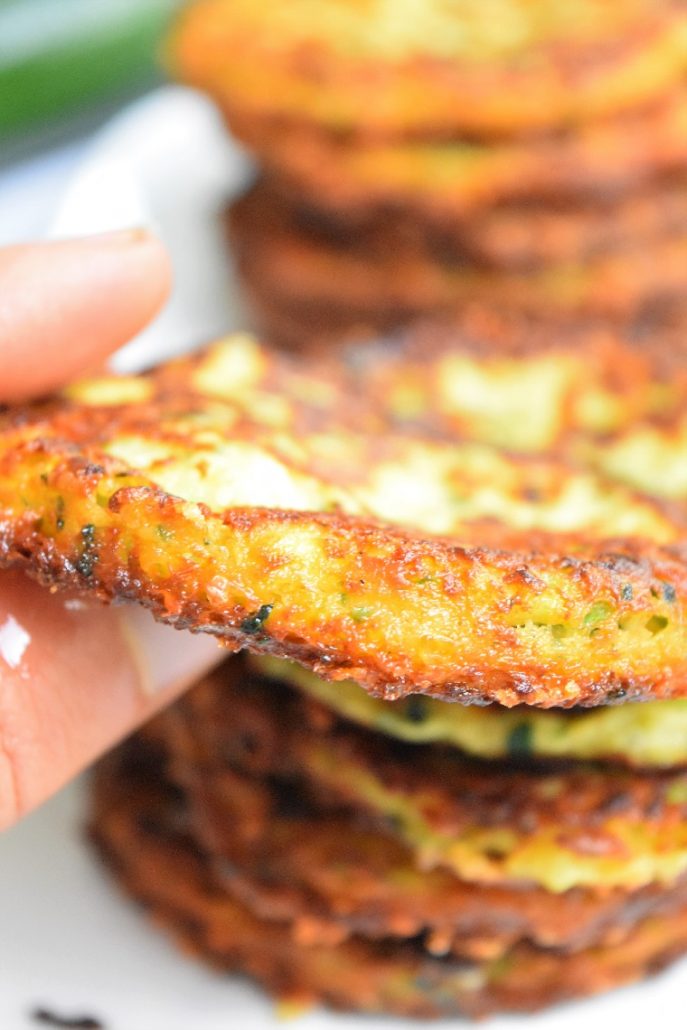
(60, 57)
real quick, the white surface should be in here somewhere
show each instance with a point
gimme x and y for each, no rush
(68, 940)
(31, 190)
(167, 164)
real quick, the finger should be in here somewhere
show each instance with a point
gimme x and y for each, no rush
(66, 305)
(75, 677)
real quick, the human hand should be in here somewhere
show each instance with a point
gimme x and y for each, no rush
(75, 676)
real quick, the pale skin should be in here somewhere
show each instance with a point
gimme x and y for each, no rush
(75, 677)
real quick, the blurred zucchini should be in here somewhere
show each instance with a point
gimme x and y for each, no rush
(60, 57)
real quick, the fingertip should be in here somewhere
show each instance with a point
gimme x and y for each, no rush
(144, 249)
(66, 305)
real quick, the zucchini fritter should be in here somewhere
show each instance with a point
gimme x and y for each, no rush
(307, 529)
(526, 236)
(526, 66)
(488, 823)
(521, 236)
(611, 397)
(653, 734)
(138, 825)
(387, 273)
(323, 869)
(452, 180)
(313, 327)
(332, 878)
(607, 396)
(476, 376)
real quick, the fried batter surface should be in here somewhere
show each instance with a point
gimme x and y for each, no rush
(517, 236)
(651, 734)
(385, 272)
(526, 66)
(333, 878)
(322, 868)
(240, 494)
(489, 823)
(139, 827)
(453, 180)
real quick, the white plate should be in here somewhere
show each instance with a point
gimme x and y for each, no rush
(68, 941)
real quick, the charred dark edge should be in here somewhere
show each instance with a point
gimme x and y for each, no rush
(41, 559)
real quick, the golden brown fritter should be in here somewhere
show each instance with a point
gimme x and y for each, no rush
(651, 734)
(388, 273)
(600, 828)
(330, 875)
(138, 825)
(440, 181)
(528, 236)
(332, 878)
(379, 70)
(311, 327)
(595, 379)
(508, 237)
(307, 529)
(609, 396)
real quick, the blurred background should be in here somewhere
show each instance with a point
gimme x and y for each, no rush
(65, 67)
(432, 168)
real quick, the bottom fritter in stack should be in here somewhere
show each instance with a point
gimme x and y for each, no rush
(413, 856)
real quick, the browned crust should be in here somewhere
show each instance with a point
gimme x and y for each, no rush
(456, 618)
(331, 876)
(313, 328)
(387, 275)
(403, 651)
(626, 359)
(136, 827)
(564, 83)
(630, 362)
(520, 236)
(239, 720)
(453, 182)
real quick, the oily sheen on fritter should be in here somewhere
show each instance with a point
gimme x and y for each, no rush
(651, 734)
(566, 827)
(526, 65)
(248, 496)
(140, 825)
(333, 877)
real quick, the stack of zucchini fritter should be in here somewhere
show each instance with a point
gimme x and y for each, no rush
(448, 774)
(419, 155)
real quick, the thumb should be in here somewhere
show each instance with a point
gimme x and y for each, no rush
(66, 305)
(75, 677)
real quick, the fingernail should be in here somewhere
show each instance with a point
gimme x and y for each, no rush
(119, 237)
(167, 659)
